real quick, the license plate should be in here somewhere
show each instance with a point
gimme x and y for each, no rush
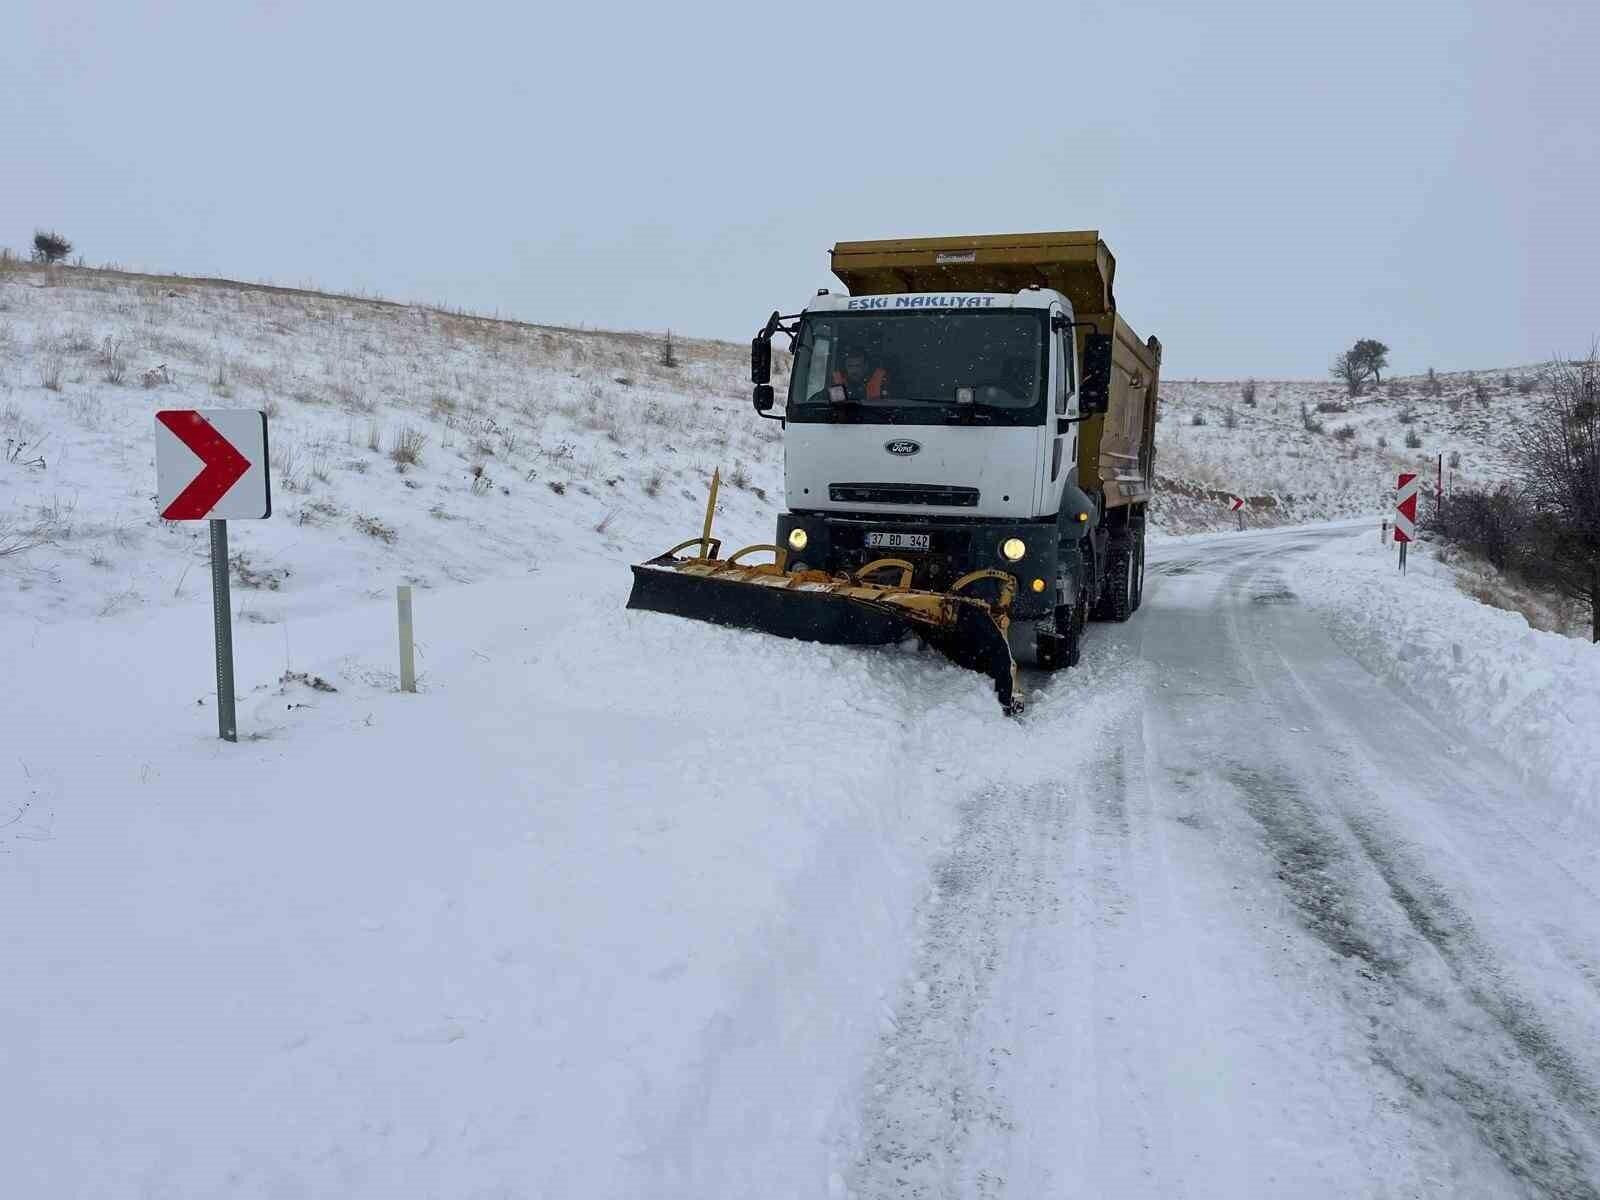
(897, 541)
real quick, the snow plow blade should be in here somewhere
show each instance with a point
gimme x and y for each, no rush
(854, 610)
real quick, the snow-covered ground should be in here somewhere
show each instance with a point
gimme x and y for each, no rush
(622, 905)
(1533, 695)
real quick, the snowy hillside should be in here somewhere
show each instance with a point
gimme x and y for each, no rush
(407, 443)
(1305, 450)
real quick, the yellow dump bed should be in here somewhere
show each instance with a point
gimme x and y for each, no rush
(1116, 452)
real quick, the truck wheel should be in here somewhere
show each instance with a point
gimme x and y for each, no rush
(1116, 602)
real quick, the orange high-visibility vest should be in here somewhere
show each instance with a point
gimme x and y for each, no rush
(876, 382)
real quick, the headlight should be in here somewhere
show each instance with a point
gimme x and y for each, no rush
(798, 539)
(1012, 549)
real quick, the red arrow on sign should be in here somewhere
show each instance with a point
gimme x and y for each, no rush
(1235, 504)
(224, 465)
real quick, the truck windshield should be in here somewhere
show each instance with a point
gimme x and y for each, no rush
(907, 368)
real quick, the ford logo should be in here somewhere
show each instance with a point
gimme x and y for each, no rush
(902, 446)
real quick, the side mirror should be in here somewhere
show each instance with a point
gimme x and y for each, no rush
(761, 358)
(763, 398)
(1094, 389)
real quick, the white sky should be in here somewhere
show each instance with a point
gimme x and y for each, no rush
(1275, 179)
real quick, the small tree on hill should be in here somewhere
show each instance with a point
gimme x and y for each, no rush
(669, 356)
(1560, 450)
(50, 247)
(1349, 370)
(1373, 355)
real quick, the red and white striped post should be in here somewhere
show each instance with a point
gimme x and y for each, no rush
(1405, 513)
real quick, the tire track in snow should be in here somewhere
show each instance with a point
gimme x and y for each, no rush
(1442, 1017)
(928, 1088)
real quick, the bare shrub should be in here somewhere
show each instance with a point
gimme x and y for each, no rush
(1407, 415)
(558, 487)
(1526, 384)
(1247, 393)
(375, 528)
(1309, 422)
(1332, 406)
(57, 519)
(1230, 417)
(17, 538)
(668, 356)
(1383, 442)
(113, 362)
(1433, 386)
(605, 522)
(739, 476)
(1480, 391)
(155, 377)
(482, 481)
(1505, 381)
(285, 461)
(1413, 440)
(1559, 448)
(51, 364)
(1345, 433)
(652, 485)
(1199, 419)
(374, 437)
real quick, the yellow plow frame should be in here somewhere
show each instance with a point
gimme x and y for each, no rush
(873, 605)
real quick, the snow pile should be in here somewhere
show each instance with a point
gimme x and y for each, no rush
(1534, 695)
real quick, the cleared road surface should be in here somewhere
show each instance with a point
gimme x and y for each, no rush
(1290, 936)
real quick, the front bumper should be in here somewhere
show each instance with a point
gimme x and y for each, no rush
(838, 543)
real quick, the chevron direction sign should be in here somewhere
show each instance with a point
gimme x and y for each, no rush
(1405, 508)
(211, 464)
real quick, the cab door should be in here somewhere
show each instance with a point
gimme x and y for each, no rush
(1063, 414)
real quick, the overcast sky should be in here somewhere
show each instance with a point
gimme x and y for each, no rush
(1276, 180)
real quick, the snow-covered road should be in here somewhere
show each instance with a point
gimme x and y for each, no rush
(1286, 935)
(623, 905)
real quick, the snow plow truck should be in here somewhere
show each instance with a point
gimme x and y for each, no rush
(968, 457)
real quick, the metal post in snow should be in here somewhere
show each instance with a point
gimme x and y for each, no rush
(222, 619)
(408, 659)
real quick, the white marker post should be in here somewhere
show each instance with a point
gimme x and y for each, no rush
(408, 658)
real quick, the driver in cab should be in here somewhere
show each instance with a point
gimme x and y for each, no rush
(861, 380)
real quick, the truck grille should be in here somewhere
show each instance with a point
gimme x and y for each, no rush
(903, 493)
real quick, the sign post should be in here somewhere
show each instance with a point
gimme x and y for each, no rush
(1405, 514)
(212, 465)
(1236, 506)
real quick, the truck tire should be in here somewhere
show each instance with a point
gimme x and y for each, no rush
(1117, 602)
